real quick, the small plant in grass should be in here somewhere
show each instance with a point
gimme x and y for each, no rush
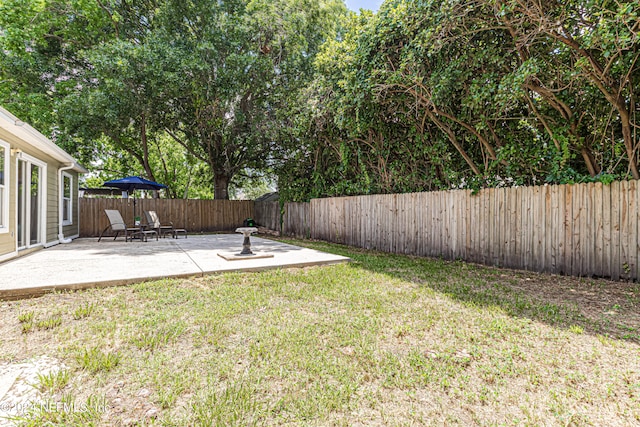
(26, 321)
(26, 317)
(235, 405)
(83, 311)
(49, 323)
(152, 339)
(402, 331)
(95, 360)
(167, 398)
(576, 329)
(53, 381)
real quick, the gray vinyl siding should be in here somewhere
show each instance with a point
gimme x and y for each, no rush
(52, 201)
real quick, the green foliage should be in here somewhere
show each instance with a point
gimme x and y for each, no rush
(53, 381)
(207, 96)
(429, 95)
(186, 93)
(95, 360)
(83, 311)
(50, 322)
(26, 317)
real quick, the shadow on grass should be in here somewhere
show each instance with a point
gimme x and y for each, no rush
(596, 306)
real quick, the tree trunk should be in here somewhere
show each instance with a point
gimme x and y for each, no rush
(629, 142)
(221, 187)
(590, 161)
(454, 140)
(602, 79)
(145, 148)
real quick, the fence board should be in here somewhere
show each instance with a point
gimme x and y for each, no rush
(525, 230)
(606, 230)
(296, 220)
(490, 225)
(547, 230)
(558, 221)
(578, 217)
(632, 217)
(445, 206)
(443, 246)
(461, 237)
(636, 230)
(598, 223)
(624, 229)
(532, 225)
(552, 232)
(477, 227)
(615, 230)
(510, 228)
(539, 218)
(425, 223)
(504, 223)
(482, 226)
(537, 221)
(588, 226)
(430, 223)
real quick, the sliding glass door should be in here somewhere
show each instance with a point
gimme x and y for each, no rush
(30, 202)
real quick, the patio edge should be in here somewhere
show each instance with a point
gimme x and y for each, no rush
(35, 292)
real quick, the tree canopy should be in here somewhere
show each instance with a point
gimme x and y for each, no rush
(459, 94)
(136, 79)
(421, 95)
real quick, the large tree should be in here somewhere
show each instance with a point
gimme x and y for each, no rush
(211, 75)
(419, 96)
(236, 63)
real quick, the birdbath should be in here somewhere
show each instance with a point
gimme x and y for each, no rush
(246, 244)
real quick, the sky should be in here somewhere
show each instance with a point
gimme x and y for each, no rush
(356, 5)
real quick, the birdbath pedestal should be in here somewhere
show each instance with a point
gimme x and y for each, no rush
(246, 244)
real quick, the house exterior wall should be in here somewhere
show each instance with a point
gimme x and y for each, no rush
(8, 241)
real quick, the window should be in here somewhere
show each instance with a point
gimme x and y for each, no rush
(4, 187)
(67, 203)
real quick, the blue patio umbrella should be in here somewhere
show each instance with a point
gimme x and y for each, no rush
(132, 183)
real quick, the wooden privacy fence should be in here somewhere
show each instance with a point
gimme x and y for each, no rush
(267, 214)
(296, 220)
(195, 216)
(581, 230)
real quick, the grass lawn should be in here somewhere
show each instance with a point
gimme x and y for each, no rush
(384, 340)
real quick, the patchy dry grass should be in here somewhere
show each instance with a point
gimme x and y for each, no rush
(385, 340)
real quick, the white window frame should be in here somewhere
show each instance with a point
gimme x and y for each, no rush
(4, 194)
(68, 221)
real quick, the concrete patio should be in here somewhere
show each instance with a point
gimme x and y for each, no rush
(87, 263)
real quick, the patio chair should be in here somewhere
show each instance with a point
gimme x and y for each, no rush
(153, 222)
(117, 224)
